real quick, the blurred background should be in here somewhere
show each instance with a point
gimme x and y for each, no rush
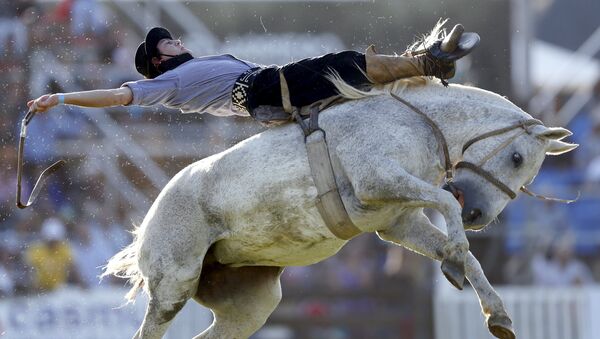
(544, 258)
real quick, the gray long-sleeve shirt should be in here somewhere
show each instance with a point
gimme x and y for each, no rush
(201, 85)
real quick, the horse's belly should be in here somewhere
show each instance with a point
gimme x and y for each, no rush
(276, 249)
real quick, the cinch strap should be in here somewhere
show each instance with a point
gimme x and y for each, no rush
(329, 202)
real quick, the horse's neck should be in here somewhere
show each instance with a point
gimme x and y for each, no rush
(462, 119)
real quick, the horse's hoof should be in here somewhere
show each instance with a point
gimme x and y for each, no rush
(501, 327)
(454, 272)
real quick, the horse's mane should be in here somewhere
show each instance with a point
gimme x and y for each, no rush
(350, 92)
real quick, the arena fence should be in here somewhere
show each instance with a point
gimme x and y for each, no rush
(99, 313)
(71, 312)
(537, 312)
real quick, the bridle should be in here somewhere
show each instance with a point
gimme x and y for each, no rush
(477, 168)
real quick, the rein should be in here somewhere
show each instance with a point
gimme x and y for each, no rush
(45, 174)
(477, 168)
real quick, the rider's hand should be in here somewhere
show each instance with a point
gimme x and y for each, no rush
(43, 103)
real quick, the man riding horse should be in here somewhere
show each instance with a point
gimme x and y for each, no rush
(224, 85)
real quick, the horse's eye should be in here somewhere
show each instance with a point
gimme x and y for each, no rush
(517, 159)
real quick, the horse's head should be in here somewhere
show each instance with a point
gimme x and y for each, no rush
(496, 166)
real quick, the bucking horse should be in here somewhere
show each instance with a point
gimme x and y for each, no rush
(223, 229)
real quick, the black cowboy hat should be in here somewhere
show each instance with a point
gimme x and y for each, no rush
(148, 49)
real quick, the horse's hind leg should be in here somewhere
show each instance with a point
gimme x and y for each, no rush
(170, 284)
(170, 259)
(241, 298)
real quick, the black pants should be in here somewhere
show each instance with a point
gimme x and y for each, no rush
(306, 79)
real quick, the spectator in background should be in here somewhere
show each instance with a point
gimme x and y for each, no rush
(52, 258)
(559, 267)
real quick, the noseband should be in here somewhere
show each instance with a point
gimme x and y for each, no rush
(477, 168)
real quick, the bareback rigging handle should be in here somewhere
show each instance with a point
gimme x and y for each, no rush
(45, 174)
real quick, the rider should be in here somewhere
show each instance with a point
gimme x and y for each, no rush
(224, 85)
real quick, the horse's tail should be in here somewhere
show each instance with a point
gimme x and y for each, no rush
(125, 265)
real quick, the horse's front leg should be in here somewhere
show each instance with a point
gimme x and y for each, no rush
(388, 182)
(415, 232)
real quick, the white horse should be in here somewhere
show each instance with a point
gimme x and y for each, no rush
(223, 228)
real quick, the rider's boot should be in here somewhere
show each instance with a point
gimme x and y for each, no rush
(431, 61)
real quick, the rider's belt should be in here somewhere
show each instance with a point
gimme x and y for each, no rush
(239, 93)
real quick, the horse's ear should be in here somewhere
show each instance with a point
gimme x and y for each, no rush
(556, 147)
(553, 133)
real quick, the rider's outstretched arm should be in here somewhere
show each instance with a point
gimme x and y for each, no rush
(94, 98)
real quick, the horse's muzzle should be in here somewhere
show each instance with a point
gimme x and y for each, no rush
(471, 216)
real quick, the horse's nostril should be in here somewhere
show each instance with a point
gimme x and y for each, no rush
(474, 214)
(458, 194)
